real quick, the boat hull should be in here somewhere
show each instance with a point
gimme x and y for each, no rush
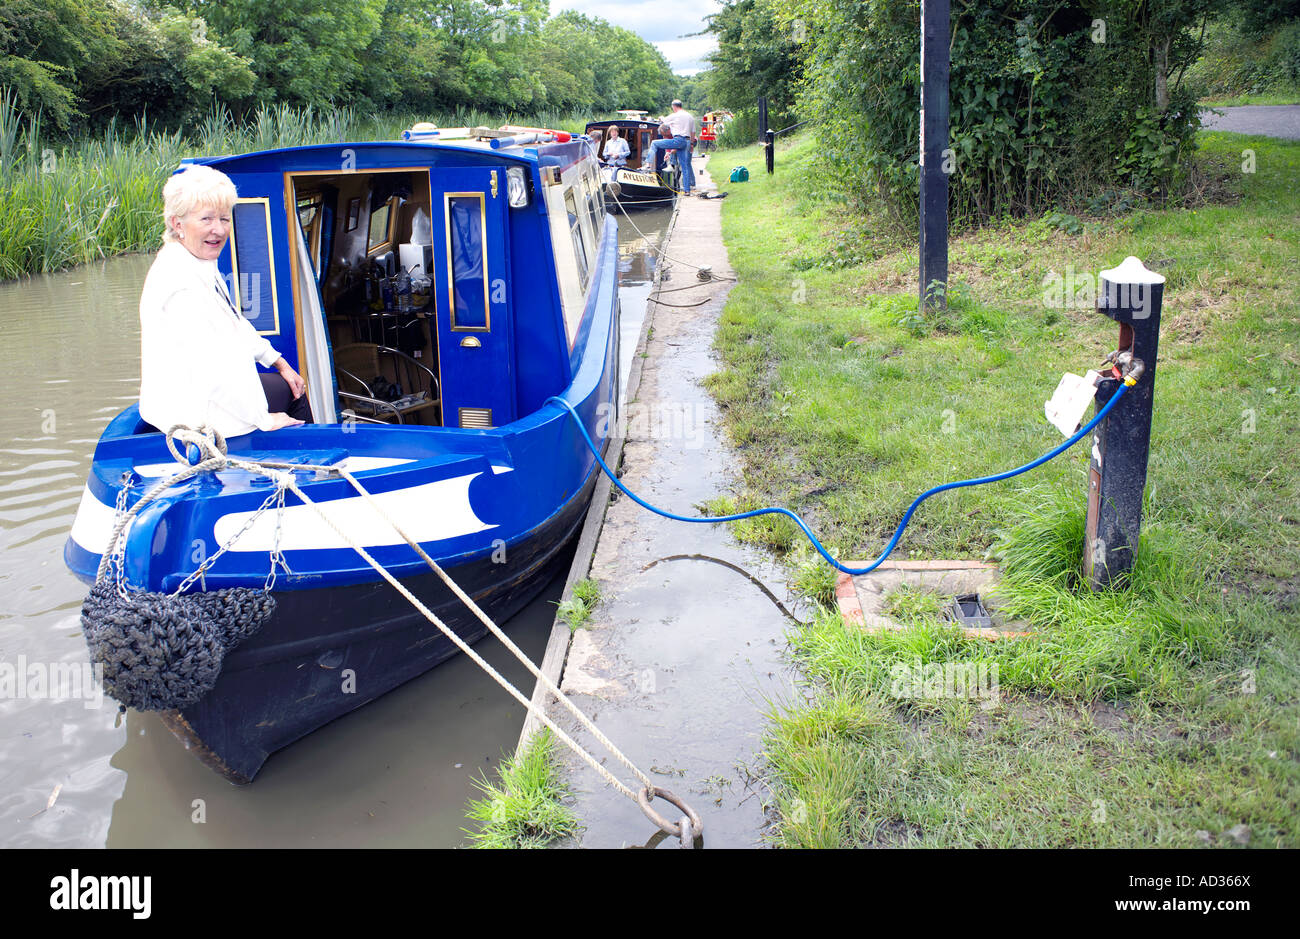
(329, 651)
(636, 189)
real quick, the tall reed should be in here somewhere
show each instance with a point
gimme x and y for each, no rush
(75, 202)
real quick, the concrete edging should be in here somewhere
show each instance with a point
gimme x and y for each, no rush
(557, 646)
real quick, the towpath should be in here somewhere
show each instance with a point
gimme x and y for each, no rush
(1273, 120)
(684, 651)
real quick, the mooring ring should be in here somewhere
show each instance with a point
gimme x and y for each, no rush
(643, 798)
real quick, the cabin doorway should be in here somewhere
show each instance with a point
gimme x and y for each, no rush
(376, 297)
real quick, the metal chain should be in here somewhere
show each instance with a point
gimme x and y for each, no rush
(118, 558)
(203, 568)
(277, 555)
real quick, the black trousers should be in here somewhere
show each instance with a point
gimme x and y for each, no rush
(279, 397)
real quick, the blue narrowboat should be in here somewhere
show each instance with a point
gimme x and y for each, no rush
(434, 292)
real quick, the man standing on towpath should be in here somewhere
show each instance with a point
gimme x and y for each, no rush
(682, 124)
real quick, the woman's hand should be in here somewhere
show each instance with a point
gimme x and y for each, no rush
(296, 384)
(280, 420)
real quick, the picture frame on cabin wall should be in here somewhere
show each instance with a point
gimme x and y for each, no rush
(354, 213)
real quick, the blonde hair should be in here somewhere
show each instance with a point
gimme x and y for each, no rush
(195, 186)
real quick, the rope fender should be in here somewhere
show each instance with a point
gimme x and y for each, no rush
(161, 651)
(164, 651)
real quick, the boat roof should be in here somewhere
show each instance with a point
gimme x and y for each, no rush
(622, 123)
(519, 144)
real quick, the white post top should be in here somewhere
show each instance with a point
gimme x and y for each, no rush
(1132, 271)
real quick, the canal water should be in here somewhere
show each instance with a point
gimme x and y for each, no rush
(396, 773)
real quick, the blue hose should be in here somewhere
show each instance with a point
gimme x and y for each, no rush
(907, 517)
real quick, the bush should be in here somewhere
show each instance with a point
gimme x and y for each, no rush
(1044, 106)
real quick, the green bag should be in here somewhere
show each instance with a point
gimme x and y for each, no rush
(740, 175)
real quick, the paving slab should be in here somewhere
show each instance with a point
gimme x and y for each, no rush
(863, 599)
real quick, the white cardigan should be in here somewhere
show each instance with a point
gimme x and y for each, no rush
(197, 354)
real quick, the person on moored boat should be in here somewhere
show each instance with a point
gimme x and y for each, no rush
(198, 354)
(616, 149)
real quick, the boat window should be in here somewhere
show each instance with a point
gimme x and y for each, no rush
(595, 202)
(575, 231)
(309, 214)
(381, 218)
(252, 264)
(467, 248)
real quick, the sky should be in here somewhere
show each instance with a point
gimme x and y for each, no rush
(666, 23)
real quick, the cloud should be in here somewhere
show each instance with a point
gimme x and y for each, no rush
(668, 24)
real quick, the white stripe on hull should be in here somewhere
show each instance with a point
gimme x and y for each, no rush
(432, 512)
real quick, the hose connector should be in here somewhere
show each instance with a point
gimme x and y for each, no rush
(1128, 368)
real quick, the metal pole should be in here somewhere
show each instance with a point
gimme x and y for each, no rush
(762, 117)
(770, 144)
(934, 141)
(1117, 474)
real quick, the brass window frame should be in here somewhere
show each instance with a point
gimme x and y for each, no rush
(451, 264)
(388, 243)
(237, 293)
(316, 201)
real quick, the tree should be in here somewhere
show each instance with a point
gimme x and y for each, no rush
(95, 59)
(612, 67)
(1050, 99)
(693, 91)
(45, 47)
(302, 51)
(757, 54)
(1261, 17)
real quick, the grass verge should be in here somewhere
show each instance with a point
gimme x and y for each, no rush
(525, 808)
(1164, 713)
(1265, 98)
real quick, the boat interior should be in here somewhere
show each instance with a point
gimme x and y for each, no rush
(638, 135)
(378, 304)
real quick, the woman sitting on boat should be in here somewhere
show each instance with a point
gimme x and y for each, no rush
(198, 353)
(616, 149)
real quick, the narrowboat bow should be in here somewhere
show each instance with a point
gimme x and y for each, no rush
(434, 293)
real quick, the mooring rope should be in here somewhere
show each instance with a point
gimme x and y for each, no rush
(657, 249)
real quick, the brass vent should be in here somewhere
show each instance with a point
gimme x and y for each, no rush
(478, 418)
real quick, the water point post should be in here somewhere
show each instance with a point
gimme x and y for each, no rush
(1132, 296)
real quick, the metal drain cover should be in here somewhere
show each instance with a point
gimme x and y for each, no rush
(968, 610)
